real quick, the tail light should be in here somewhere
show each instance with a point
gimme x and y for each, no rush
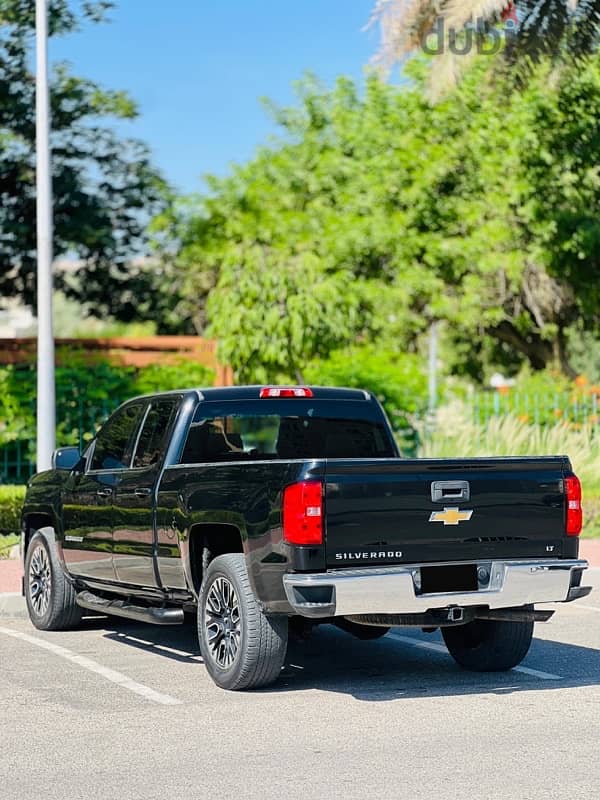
(574, 510)
(303, 513)
(285, 391)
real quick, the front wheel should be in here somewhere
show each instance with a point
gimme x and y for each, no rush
(50, 597)
(242, 647)
(486, 645)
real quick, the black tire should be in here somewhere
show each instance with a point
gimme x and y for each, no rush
(50, 597)
(487, 645)
(366, 633)
(243, 648)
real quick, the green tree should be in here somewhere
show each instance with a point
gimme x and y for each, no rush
(510, 265)
(187, 239)
(374, 215)
(105, 187)
(271, 312)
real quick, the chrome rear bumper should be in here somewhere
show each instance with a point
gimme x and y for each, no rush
(393, 590)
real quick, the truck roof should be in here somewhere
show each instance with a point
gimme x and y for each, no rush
(253, 393)
(221, 393)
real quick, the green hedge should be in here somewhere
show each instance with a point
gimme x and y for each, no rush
(11, 501)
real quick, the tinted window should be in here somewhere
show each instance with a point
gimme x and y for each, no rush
(247, 437)
(114, 443)
(155, 432)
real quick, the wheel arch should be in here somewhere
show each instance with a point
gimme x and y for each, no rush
(36, 521)
(206, 542)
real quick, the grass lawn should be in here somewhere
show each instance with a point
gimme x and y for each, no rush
(7, 543)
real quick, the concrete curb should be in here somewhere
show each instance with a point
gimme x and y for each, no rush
(13, 606)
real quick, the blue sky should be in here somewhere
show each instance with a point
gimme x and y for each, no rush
(197, 69)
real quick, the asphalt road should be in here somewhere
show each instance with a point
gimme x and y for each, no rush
(121, 711)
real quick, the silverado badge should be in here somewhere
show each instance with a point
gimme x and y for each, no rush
(450, 516)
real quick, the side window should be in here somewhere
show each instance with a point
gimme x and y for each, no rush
(115, 441)
(154, 435)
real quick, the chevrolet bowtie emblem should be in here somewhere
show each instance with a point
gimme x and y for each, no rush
(450, 516)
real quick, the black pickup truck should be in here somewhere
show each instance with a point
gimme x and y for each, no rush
(257, 508)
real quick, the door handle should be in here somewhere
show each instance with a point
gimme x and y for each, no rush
(144, 491)
(104, 492)
(447, 491)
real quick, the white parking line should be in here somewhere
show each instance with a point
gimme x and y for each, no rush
(439, 648)
(93, 666)
(545, 676)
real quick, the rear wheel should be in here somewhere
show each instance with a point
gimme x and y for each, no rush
(50, 597)
(488, 645)
(242, 647)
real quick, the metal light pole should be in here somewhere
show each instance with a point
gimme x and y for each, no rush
(46, 404)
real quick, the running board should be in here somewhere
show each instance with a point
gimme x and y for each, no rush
(121, 608)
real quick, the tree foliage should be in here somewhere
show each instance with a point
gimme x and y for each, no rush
(104, 186)
(376, 214)
(271, 315)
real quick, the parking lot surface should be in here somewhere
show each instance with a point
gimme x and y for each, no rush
(124, 710)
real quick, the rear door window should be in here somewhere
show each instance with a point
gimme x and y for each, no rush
(154, 436)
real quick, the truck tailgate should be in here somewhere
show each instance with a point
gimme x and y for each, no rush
(384, 512)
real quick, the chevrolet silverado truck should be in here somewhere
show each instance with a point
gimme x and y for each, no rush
(256, 508)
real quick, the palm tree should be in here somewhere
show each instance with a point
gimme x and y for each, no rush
(555, 28)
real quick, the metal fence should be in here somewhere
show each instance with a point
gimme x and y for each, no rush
(16, 465)
(580, 409)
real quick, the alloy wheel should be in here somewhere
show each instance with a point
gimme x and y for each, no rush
(222, 622)
(40, 581)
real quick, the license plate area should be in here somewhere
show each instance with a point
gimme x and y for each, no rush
(451, 578)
